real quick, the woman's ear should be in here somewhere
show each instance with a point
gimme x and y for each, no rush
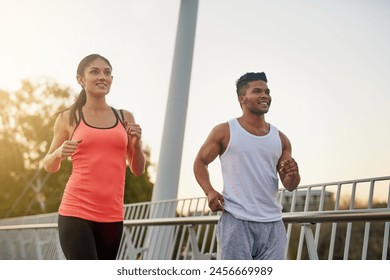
(80, 80)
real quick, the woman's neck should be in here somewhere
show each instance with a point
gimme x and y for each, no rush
(94, 104)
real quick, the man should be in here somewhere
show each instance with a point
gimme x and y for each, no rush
(252, 154)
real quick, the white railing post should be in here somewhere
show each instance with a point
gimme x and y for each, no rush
(310, 243)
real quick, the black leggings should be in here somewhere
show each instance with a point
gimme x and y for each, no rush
(86, 240)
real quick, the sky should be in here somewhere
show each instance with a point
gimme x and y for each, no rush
(327, 64)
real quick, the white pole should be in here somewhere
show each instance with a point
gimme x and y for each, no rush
(168, 169)
(159, 241)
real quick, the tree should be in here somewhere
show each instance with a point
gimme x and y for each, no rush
(138, 189)
(26, 128)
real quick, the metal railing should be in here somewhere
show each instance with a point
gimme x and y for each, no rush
(341, 220)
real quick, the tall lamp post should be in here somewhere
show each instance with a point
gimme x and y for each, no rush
(159, 240)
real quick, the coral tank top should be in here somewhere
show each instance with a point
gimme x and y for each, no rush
(95, 189)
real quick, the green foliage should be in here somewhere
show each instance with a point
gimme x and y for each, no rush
(26, 122)
(26, 128)
(139, 189)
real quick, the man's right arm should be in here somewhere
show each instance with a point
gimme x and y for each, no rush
(212, 147)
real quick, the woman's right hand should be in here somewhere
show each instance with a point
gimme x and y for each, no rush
(67, 148)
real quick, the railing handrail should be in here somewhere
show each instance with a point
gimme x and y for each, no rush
(379, 214)
(29, 226)
(344, 182)
(363, 215)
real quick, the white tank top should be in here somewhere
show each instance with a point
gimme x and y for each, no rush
(249, 172)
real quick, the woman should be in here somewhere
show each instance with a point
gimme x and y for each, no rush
(98, 138)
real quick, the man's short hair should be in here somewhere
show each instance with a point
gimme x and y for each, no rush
(243, 81)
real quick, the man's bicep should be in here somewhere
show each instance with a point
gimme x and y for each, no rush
(286, 148)
(212, 147)
(209, 151)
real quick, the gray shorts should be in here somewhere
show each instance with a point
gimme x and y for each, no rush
(244, 240)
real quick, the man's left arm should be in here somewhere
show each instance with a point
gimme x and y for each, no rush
(287, 166)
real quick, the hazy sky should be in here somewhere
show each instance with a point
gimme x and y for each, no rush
(327, 63)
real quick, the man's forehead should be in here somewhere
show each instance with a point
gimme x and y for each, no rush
(258, 84)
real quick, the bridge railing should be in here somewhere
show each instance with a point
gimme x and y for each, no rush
(341, 220)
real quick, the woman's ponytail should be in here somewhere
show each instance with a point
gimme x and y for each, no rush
(76, 107)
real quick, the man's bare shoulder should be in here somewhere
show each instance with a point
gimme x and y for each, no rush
(220, 129)
(283, 137)
(220, 136)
